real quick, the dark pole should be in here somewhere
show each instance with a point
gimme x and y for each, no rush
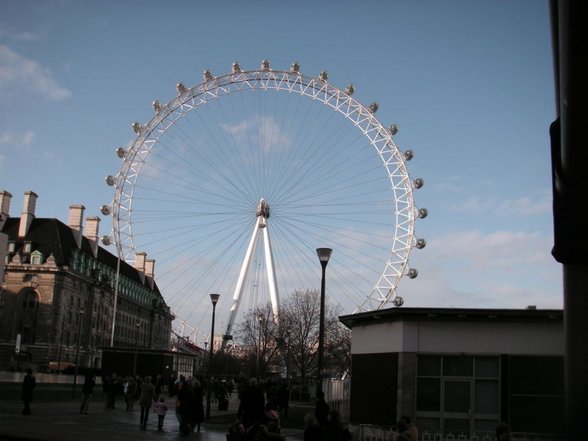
(258, 367)
(288, 359)
(214, 299)
(75, 380)
(324, 255)
(569, 159)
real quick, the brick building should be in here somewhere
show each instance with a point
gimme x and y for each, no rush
(57, 293)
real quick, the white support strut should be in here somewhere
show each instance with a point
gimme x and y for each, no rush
(262, 215)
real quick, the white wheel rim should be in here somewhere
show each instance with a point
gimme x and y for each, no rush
(170, 116)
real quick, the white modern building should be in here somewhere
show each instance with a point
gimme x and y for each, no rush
(458, 371)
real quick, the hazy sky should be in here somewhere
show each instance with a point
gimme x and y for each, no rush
(470, 85)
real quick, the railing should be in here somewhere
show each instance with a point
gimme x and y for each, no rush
(366, 432)
(337, 394)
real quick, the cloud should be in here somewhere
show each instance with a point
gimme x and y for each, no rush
(8, 32)
(502, 269)
(23, 74)
(20, 142)
(525, 206)
(520, 207)
(263, 131)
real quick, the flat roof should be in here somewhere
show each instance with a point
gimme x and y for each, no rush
(529, 314)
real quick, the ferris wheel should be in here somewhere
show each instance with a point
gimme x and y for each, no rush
(281, 153)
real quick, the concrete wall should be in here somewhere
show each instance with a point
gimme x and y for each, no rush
(460, 337)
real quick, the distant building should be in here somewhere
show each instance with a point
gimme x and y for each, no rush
(58, 292)
(458, 372)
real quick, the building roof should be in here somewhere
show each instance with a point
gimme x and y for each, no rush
(53, 237)
(530, 314)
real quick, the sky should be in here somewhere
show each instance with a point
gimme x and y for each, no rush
(469, 84)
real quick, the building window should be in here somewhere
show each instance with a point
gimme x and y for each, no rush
(457, 394)
(536, 400)
(36, 258)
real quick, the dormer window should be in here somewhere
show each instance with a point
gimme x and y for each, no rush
(37, 258)
(11, 246)
(27, 247)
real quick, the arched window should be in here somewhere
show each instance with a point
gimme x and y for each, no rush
(28, 322)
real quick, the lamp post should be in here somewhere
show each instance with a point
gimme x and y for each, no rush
(288, 359)
(258, 361)
(75, 380)
(214, 299)
(323, 254)
(138, 325)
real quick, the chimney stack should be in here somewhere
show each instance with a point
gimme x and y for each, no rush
(92, 227)
(5, 198)
(149, 271)
(74, 221)
(28, 213)
(140, 264)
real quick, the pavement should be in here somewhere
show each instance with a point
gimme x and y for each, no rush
(61, 421)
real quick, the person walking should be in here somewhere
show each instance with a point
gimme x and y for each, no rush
(130, 391)
(28, 385)
(321, 409)
(252, 405)
(412, 428)
(503, 432)
(146, 399)
(335, 430)
(160, 409)
(87, 391)
(197, 407)
(312, 429)
(110, 388)
(283, 399)
(184, 400)
(158, 385)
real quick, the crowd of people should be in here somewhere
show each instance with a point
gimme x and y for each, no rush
(262, 410)
(264, 407)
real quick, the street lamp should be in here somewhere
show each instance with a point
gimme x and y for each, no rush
(75, 380)
(258, 363)
(323, 254)
(138, 325)
(214, 299)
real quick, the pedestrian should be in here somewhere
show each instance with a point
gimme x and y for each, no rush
(87, 391)
(28, 385)
(158, 385)
(335, 430)
(130, 392)
(283, 400)
(146, 399)
(197, 406)
(160, 408)
(312, 429)
(183, 406)
(503, 432)
(404, 433)
(110, 387)
(252, 405)
(321, 409)
(412, 428)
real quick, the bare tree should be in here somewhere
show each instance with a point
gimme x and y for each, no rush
(290, 342)
(338, 351)
(299, 326)
(257, 332)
